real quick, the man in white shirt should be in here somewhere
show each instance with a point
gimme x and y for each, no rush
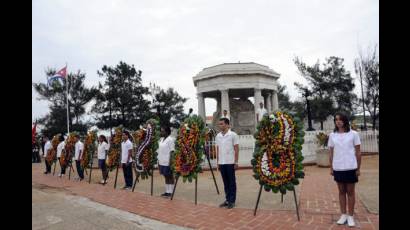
(126, 160)
(260, 112)
(47, 147)
(79, 148)
(227, 149)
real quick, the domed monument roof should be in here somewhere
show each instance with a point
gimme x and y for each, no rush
(235, 69)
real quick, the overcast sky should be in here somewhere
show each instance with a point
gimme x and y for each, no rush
(171, 41)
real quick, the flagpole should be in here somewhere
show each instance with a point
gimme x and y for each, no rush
(68, 112)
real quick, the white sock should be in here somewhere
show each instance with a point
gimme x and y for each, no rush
(171, 188)
(166, 188)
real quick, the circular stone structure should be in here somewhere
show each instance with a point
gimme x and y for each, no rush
(231, 85)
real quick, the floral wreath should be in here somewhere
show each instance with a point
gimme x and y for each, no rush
(146, 142)
(89, 149)
(68, 151)
(114, 152)
(52, 152)
(189, 149)
(277, 162)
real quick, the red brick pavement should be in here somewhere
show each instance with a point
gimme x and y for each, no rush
(318, 206)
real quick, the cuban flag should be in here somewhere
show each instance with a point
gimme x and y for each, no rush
(60, 75)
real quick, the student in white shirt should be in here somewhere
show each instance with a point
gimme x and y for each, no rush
(79, 148)
(60, 148)
(166, 146)
(345, 160)
(102, 156)
(260, 112)
(227, 149)
(47, 146)
(225, 115)
(126, 160)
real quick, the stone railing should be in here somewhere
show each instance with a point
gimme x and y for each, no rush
(369, 144)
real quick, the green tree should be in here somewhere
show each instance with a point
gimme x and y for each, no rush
(169, 105)
(78, 97)
(367, 68)
(284, 99)
(120, 100)
(331, 87)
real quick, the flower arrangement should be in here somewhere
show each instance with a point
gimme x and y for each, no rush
(114, 153)
(68, 151)
(210, 148)
(277, 160)
(189, 149)
(52, 152)
(322, 139)
(146, 145)
(90, 148)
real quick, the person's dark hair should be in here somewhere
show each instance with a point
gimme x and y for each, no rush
(345, 121)
(128, 134)
(104, 138)
(61, 138)
(190, 110)
(225, 110)
(167, 130)
(225, 120)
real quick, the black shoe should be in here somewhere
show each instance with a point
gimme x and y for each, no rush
(45, 172)
(164, 194)
(230, 205)
(224, 204)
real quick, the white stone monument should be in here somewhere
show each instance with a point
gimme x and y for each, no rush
(231, 84)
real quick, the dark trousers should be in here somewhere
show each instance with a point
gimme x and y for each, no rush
(228, 177)
(103, 167)
(48, 166)
(127, 169)
(62, 168)
(79, 169)
(33, 157)
(38, 157)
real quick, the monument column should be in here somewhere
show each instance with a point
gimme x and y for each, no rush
(269, 103)
(275, 103)
(225, 101)
(258, 99)
(201, 106)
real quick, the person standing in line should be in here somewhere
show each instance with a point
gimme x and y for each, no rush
(227, 149)
(47, 146)
(126, 159)
(260, 112)
(60, 148)
(166, 147)
(345, 160)
(102, 156)
(79, 148)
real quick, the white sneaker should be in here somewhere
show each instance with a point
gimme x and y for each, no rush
(342, 219)
(350, 221)
(59, 175)
(102, 181)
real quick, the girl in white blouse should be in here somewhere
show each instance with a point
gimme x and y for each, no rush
(166, 147)
(345, 160)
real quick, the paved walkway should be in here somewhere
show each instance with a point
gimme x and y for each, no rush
(318, 205)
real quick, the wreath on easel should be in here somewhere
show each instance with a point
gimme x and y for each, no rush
(90, 148)
(114, 152)
(68, 151)
(277, 160)
(52, 152)
(189, 150)
(146, 142)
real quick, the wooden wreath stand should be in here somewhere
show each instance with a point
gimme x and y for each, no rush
(196, 182)
(152, 180)
(294, 195)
